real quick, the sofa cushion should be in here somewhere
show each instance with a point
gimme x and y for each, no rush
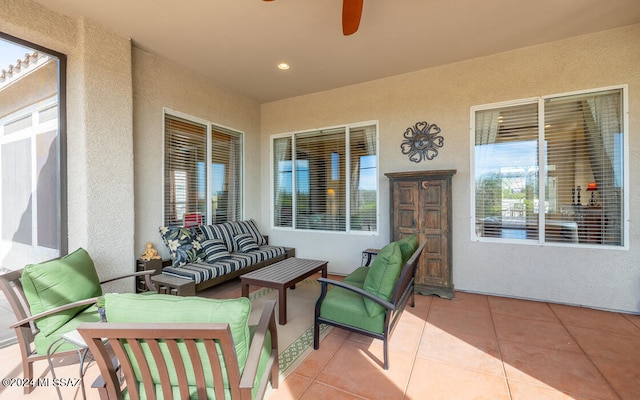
(250, 227)
(215, 250)
(246, 242)
(224, 231)
(200, 272)
(382, 277)
(58, 282)
(130, 307)
(408, 245)
(184, 244)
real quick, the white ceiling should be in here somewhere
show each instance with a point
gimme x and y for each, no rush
(237, 43)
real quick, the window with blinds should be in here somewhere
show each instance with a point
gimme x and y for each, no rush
(326, 179)
(574, 146)
(202, 172)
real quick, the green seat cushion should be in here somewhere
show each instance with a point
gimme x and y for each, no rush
(408, 245)
(382, 277)
(42, 342)
(359, 275)
(58, 282)
(129, 307)
(347, 308)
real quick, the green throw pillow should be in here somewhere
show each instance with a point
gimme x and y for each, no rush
(58, 282)
(382, 277)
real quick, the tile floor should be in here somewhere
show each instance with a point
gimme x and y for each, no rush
(472, 347)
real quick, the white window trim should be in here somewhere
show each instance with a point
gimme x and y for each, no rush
(540, 100)
(292, 135)
(209, 125)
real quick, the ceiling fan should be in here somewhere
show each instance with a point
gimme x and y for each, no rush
(351, 13)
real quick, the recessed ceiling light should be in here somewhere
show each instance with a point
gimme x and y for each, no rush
(283, 66)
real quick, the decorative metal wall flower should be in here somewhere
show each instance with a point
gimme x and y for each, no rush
(422, 141)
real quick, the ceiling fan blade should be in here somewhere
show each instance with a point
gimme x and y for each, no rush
(351, 13)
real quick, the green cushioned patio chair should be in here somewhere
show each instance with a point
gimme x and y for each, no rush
(170, 347)
(371, 300)
(52, 298)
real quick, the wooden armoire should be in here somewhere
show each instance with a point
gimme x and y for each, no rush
(421, 204)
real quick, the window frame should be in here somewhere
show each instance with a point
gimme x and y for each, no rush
(61, 138)
(210, 127)
(540, 100)
(347, 162)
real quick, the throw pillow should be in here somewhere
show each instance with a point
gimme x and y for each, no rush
(250, 227)
(215, 250)
(223, 231)
(246, 242)
(184, 245)
(382, 277)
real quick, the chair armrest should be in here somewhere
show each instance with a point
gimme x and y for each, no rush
(267, 322)
(147, 278)
(361, 292)
(75, 304)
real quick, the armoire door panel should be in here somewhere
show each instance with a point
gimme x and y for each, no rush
(434, 245)
(406, 195)
(407, 219)
(432, 220)
(432, 194)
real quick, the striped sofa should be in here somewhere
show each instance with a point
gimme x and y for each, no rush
(213, 254)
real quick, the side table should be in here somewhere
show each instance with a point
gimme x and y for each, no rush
(74, 338)
(175, 286)
(146, 265)
(368, 255)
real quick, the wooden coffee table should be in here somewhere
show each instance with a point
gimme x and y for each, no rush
(281, 276)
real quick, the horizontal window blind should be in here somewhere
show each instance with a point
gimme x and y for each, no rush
(226, 179)
(506, 154)
(185, 154)
(326, 179)
(320, 180)
(582, 200)
(201, 186)
(584, 162)
(363, 179)
(283, 182)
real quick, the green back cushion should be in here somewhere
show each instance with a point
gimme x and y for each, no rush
(58, 282)
(408, 245)
(129, 307)
(382, 277)
(357, 276)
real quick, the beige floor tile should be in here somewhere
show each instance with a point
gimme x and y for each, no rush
(562, 370)
(474, 352)
(550, 335)
(357, 369)
(437, 380)
(522, 308)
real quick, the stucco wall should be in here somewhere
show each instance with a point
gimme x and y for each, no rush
(157, 83)
(599, 278)
(99, 130)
